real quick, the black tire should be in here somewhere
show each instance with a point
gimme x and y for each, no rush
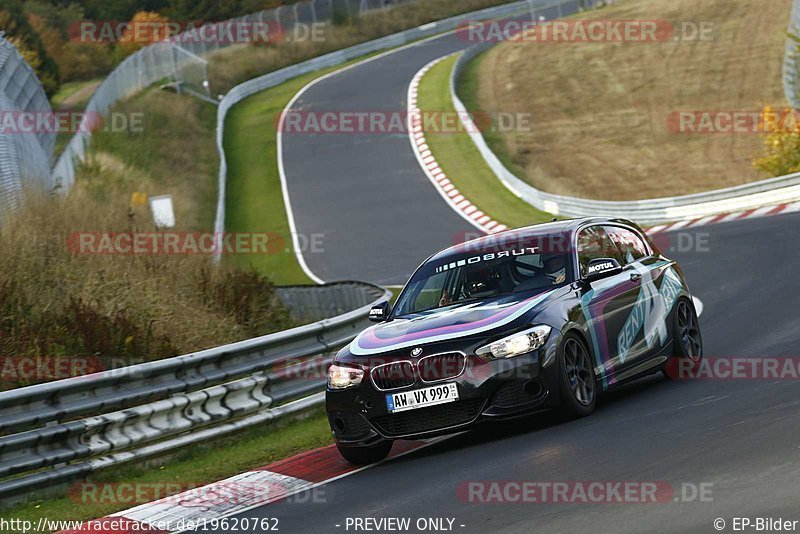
(366, 455)
(687, 341)
(577, 381)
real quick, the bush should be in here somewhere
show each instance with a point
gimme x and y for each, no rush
(24, 37)
(84, 61)
(781, 154)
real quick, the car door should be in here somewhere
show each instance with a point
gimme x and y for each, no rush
(645, 330)
(607, 304)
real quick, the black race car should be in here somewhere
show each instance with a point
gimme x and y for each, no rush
(509, 324)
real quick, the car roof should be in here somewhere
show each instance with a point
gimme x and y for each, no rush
(562, 228)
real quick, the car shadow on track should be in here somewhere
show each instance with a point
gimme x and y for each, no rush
(607, 405)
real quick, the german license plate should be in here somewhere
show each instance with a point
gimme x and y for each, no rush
(420, 398)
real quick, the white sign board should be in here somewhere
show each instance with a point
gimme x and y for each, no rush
(163, 214)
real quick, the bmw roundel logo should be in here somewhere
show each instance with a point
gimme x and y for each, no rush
(416, 352)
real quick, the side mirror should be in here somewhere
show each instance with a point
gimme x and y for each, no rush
(600, 268)
(380, 313)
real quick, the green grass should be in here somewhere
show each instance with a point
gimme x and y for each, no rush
(254, 198)
(462, 163)
(69, 89)
(197, 465)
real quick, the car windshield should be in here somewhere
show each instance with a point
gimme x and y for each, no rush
(456, 280)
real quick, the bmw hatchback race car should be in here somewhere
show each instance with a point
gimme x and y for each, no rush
(506, 325)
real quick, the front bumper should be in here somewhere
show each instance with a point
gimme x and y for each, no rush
(496, 389)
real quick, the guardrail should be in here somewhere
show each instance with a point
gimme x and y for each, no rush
(256, 85)
(652, 211)
(61, 431)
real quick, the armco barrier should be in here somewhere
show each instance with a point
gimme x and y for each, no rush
(743, 197)
(58, 431)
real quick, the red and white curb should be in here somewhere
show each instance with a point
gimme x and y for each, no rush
(208, 504)
(484, 222)
(433, 171)
(765, 211)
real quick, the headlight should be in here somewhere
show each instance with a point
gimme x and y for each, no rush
(344, 377)
(519, 343)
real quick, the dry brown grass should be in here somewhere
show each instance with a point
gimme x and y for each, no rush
(235, 65)
(600, 110)
(120, 309)
(123, 309)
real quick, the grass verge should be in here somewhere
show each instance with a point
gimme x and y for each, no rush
(254, 197)
(192, 467)
(460, 160)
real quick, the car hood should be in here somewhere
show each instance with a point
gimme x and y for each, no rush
(449, 323)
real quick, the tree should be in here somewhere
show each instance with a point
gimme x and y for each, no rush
(145, 27)
(21, 34)
(203, 10)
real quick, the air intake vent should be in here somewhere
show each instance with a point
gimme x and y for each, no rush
(441, 366)
(393, 375)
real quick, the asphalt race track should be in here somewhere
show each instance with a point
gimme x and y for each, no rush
(365, 194)
(742, 436)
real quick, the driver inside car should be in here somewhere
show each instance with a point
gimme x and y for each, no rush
(478, 283)
(555, 269)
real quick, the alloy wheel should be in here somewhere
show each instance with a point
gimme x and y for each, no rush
(579, 372)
